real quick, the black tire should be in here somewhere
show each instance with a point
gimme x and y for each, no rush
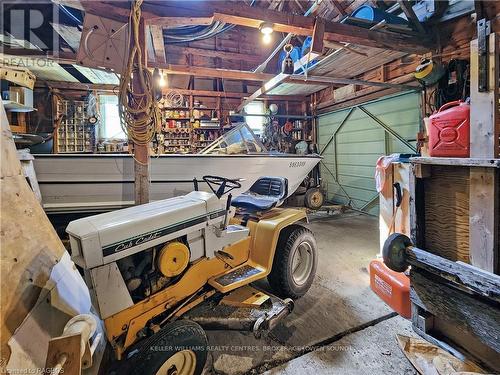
(314, 198)
(147, 357)
(281, 277)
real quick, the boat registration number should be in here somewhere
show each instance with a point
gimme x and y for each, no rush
(297, 164)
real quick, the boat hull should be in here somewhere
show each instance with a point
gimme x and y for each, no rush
(92, 183)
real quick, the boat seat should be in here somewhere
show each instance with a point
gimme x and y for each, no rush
(265, 193)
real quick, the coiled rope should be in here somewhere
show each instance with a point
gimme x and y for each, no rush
(138, 109)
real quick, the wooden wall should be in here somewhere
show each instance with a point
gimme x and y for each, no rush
(454, 37)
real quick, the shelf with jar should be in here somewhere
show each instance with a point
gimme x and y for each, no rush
(74, 133)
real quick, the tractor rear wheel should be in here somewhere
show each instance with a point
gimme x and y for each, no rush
(295, 262)
(178, 348)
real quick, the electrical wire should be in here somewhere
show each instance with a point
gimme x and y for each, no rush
(184, 34)
(138, 109)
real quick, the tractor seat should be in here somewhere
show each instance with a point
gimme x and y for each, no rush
(265, 193)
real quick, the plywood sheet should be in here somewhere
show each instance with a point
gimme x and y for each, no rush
(447, 212)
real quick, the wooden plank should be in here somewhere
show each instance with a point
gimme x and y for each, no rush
(216, 53)
(198, 71)
(348, 81)
(365, 93)
(472, 316)
(447, 213)
(158, 44)
(462, 274)
(318, 36)
(237, 95)
(269, 85)
(484, 112)
(183, 21)
(484, 218)
(458, 162)
(238, 13)
(410, 14)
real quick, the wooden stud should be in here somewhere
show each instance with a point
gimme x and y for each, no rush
(318, 35)
(484, 182)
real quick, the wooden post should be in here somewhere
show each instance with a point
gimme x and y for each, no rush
(141, 152)
(484, 182)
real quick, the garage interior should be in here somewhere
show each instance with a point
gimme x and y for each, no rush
(250, 187)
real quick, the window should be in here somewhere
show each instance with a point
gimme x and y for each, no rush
(255, 122)
(110, 119)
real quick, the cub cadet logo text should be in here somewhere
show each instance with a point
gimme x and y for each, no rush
(138, 241)
(297, 164)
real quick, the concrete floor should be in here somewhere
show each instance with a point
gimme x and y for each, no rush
(352, 330)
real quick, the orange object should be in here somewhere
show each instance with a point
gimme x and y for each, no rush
(392, 287)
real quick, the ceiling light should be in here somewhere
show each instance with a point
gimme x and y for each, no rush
(267, 38)
(266, 28)
(162, 82)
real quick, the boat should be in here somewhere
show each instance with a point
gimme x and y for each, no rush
(79, 183)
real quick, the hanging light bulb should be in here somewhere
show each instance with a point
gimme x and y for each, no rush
(266, 29)
(162, 82)
(267, 38)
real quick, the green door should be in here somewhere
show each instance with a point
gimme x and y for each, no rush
(351, 140)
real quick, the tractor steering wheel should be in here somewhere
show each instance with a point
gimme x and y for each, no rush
(225, 185)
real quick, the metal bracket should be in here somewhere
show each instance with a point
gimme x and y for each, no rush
(483, 30)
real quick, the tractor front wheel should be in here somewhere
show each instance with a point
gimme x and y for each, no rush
(295, 262)
(178, 348)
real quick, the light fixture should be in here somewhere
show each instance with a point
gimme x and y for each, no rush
(266, 29)
(162, 81)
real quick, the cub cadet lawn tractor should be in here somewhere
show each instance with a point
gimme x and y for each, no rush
(161, 271)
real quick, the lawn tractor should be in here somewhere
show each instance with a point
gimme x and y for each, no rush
(160, 273)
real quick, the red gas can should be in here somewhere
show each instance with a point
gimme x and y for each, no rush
(392, 287)
(449, 130)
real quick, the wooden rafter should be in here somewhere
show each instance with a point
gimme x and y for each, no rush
(410, 14)
(268, 86)
(158, 44)
(241, 14)
(61, 85)
(198, 71)
(226, 55)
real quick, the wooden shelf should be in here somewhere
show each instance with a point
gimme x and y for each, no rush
(17, 107)
(463, 162)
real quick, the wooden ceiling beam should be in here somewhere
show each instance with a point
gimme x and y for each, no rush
(296, 78)
(198, 71)
(78, 86)
(235, 95)
(212, 53)
(268, 86)
(240, 14)
(158, 44)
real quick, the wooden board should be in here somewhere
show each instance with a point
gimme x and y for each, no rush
(447, 212)
(484, 218)
(474, 319)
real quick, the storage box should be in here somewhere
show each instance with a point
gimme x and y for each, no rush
(21, 95)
